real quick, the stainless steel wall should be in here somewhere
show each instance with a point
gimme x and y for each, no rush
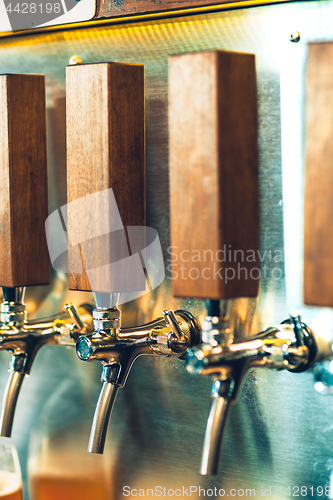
(280, 431)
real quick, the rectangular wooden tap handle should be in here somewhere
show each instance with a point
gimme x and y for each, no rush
(24, 258)
(318, 197)
(213, 175)
(105, 150)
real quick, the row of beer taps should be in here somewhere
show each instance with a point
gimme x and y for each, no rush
(212, 348)
(98, 336)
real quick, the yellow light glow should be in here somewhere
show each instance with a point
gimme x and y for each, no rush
(97, 23)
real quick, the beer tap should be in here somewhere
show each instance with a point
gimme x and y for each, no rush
(213, 138)
(214, 159)
(24, 257)
(105, 106)
(23, 338)
(117, 348)
(291, 345)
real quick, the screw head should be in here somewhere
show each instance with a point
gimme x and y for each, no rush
(75, 60)
(295, 36)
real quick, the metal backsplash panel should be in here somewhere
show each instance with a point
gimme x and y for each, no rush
(280, 431)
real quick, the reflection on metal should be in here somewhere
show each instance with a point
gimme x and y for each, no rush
(118, 348)
(275, 411)
(323, 377)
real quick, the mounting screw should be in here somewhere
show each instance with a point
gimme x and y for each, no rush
(295, 36)
(75, 60)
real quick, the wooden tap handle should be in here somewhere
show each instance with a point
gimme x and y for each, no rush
(318, 197)
(213, 175)
(24, 258)
(105, 149)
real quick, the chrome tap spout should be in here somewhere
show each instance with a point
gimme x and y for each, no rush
(101, 418)
(9, 402)
(110, 379)
(216, 424)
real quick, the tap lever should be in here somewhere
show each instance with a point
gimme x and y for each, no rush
(75, 316)
(171, 320)
(303, 350)
(296, 321)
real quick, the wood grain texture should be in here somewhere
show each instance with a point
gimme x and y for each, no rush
(23, 188)
(318, 201)
(117, 8)
(214, 174)
(105, 149)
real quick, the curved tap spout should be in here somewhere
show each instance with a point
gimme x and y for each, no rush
(101, 419)
(117, 348)
(291, 345)
(103, 409)
(216, 424)
(9, 402)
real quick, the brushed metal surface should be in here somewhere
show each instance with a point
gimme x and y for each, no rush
(280, 431)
